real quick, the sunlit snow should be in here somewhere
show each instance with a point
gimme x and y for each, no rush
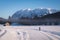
(30, 33)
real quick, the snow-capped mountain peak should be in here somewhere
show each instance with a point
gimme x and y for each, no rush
(27, 9)
(33, 12)
(49, 8)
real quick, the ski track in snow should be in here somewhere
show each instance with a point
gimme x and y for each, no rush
(23, 36)
(51, 36)
(48, 36)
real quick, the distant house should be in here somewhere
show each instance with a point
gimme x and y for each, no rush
(7, 23)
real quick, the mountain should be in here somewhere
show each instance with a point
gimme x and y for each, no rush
(54, 15)
(31, 13)
(49, 19)
(2, 20)
(38, 16)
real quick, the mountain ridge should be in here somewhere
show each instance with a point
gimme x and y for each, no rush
(30, 13)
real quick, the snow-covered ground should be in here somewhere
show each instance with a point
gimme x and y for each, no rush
(30, 33)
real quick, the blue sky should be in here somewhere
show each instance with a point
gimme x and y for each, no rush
(9, 7)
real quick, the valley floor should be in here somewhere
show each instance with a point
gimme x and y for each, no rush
(30, 33)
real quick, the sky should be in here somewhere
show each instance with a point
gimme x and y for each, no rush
(9, 7)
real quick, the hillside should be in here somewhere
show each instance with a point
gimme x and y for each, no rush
(2, 20)
(54, 15)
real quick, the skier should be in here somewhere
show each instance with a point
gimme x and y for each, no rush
(39, 28)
